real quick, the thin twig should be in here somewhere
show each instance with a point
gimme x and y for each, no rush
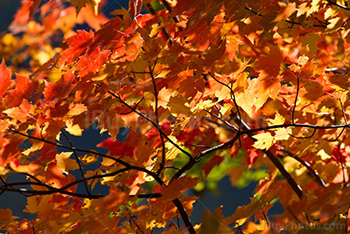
(78, 161)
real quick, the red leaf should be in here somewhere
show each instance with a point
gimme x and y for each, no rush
(253, 156)
(122, 149)
(135, 7)
(5, 77)
(77, 45)
(62, 89)
(214, 161)
(24, 89)
(93, 62)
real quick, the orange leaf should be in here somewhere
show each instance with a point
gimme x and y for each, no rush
(77, 45)
(93, 62)
(177, 187)
(34, 8)
(270, 63)
(62, 89)
(5, 77)
(24, 89)
(19, 113)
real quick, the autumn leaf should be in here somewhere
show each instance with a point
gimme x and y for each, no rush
(206, 89)
(263, 140)
(172, 150)
(279, 120)
(60, 89)
(5, 78)
(92, 62)
(243, 213)
(289, 9)
(177, 105)
(122, 149)
(24, 89)
(65, 162)
(6, 217)
(135, 7)
(21, 113)
(33, 8)
(210, 223)
(177, 187)
(77, 45)
(271, 61)
(311, 40)
(82, 3)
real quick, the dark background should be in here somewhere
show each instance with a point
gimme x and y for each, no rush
(230, 197)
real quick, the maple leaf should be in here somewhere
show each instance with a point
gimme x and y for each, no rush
(65, 163)
(24, 89)
(93, 18)
(82, 3)
(193, 81)
(311, 40)
(77, 45)
(122, 149)
(20, 113)
(177, 187)
(60, 89)
(92, 62)
(271, 61)
(5, 78)
(135, 7)
(177, 105)
(279, 120)
(214, 161)
(264, 140)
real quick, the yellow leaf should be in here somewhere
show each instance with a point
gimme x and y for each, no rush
(179, 125)
(172, 151)
(82, 3)
(226, 108)
(264, 140)
(42, 57)
(54, 75)
(323, 155)
(205, 104)
(302, 60)
(315, 5)
(76, 109)
(65, 163)
(99, 77)
(88, 159)
(334, 25)
(281, 134)
(329, 13)
(223, 93)
(73, 129)
(278, 120)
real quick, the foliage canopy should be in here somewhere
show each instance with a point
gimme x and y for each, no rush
(206, 88)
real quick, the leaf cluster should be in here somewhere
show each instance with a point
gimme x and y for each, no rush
(249, 89)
